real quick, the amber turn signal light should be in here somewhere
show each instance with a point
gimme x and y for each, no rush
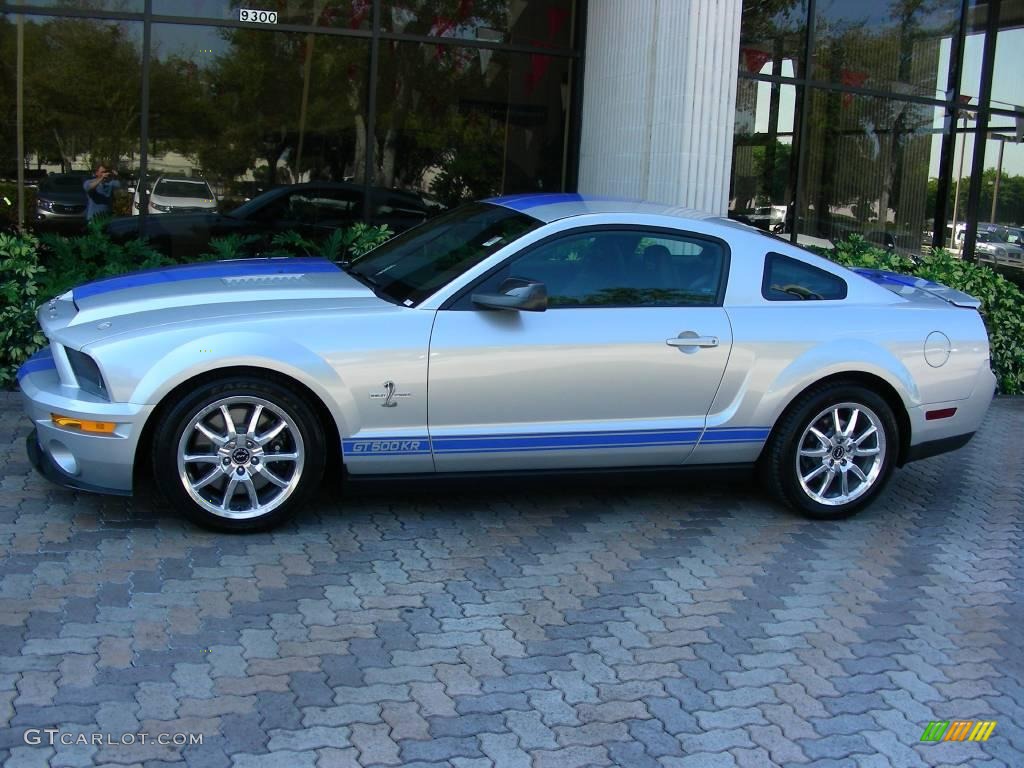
(99, 427)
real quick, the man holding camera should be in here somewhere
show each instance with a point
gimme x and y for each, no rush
(99, 191)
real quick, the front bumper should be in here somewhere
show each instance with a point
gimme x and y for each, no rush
(52, 471)
(101, 463)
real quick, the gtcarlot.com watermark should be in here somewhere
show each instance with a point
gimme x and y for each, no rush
(55, 736)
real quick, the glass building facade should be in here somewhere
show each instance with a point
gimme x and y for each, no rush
(892, 119)
(900, 120)
(447, 99)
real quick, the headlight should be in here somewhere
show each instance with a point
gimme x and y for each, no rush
(87, 373)
(1000, 252)
(46, 205)
(158, 207)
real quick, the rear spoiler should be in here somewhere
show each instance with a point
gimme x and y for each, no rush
(907, 284)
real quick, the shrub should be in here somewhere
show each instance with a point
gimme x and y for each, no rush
(1002, 302)
(20, 273)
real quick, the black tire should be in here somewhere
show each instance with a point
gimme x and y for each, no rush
(781, 469)
(300, 418)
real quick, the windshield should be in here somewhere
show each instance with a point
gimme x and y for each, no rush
(182, 188)
(417, 263)
(250, 206)
(62, 184)
(989, 237)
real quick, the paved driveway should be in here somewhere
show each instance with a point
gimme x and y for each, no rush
(688, 624)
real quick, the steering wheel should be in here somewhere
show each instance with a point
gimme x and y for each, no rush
(800, 292)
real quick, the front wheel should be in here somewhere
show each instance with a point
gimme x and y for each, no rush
(833, 451)
(238, 454)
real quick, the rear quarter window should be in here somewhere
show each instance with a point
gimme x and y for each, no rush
(789, 279)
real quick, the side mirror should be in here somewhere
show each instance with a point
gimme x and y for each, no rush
(517, 294)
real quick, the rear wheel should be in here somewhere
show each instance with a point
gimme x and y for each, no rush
(833, 451)
(238, 454)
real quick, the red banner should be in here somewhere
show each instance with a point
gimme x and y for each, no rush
(851, 79)
(755, 59)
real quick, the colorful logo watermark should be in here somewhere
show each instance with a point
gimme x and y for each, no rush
(958, 730)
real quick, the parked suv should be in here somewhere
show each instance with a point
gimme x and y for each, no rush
(175, 194)
(60, 200)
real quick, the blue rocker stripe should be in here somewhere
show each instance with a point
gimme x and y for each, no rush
(735, 435)
(559, 442)
(555, 441)
(215, 269)
(40, 361)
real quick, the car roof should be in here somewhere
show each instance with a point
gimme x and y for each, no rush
(551, 206)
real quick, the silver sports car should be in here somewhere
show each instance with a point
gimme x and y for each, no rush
(519, 333)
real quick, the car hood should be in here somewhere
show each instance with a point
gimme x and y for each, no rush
(129, 225)
(184, 202)
(64, 197)
(193, 291)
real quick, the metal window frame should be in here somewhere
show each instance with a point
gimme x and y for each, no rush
(374, 35)
(988, 62)
(805, 85)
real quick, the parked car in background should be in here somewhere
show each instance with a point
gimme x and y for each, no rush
(991, 247)
(313, 210)
(524, 333)
(902, 243)
(175, 194)
(770, 218)
(1015, 236)
(60, 201)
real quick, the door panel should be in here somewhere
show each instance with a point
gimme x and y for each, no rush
(574, 387)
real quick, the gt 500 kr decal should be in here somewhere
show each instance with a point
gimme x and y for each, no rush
(550, 441)
(398, 446)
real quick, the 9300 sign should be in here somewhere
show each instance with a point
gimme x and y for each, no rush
(257, 17)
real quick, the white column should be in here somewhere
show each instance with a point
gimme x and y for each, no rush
(659, 100)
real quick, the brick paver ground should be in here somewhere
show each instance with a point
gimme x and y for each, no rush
(679, 623)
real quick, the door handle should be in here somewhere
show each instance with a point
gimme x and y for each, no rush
(691, 339)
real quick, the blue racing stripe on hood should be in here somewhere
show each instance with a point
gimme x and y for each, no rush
(40, 361)
(237, 268)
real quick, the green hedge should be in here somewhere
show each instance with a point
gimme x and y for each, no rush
(1002, 302)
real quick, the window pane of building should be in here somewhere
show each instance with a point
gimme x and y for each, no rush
(540, 23)
(1007, 91)
(82, 103)
(122, 6)
(348, 14)
(884, 44)
(869, 163)
(763, 162)
(458, 123)
(772, 37)
(250, 108)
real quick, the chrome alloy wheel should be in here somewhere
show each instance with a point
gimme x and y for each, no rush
(841, 454)
(240, 457)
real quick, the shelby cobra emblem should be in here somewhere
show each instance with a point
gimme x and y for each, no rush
(389, 395)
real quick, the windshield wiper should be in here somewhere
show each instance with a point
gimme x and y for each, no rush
(369, 282)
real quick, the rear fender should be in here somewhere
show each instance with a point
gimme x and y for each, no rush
(764, 406)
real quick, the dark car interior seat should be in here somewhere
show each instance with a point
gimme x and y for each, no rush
(603, 269)
(657, 269)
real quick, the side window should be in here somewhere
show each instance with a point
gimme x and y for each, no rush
(788, 279)
(324, 207)
(620, 268)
